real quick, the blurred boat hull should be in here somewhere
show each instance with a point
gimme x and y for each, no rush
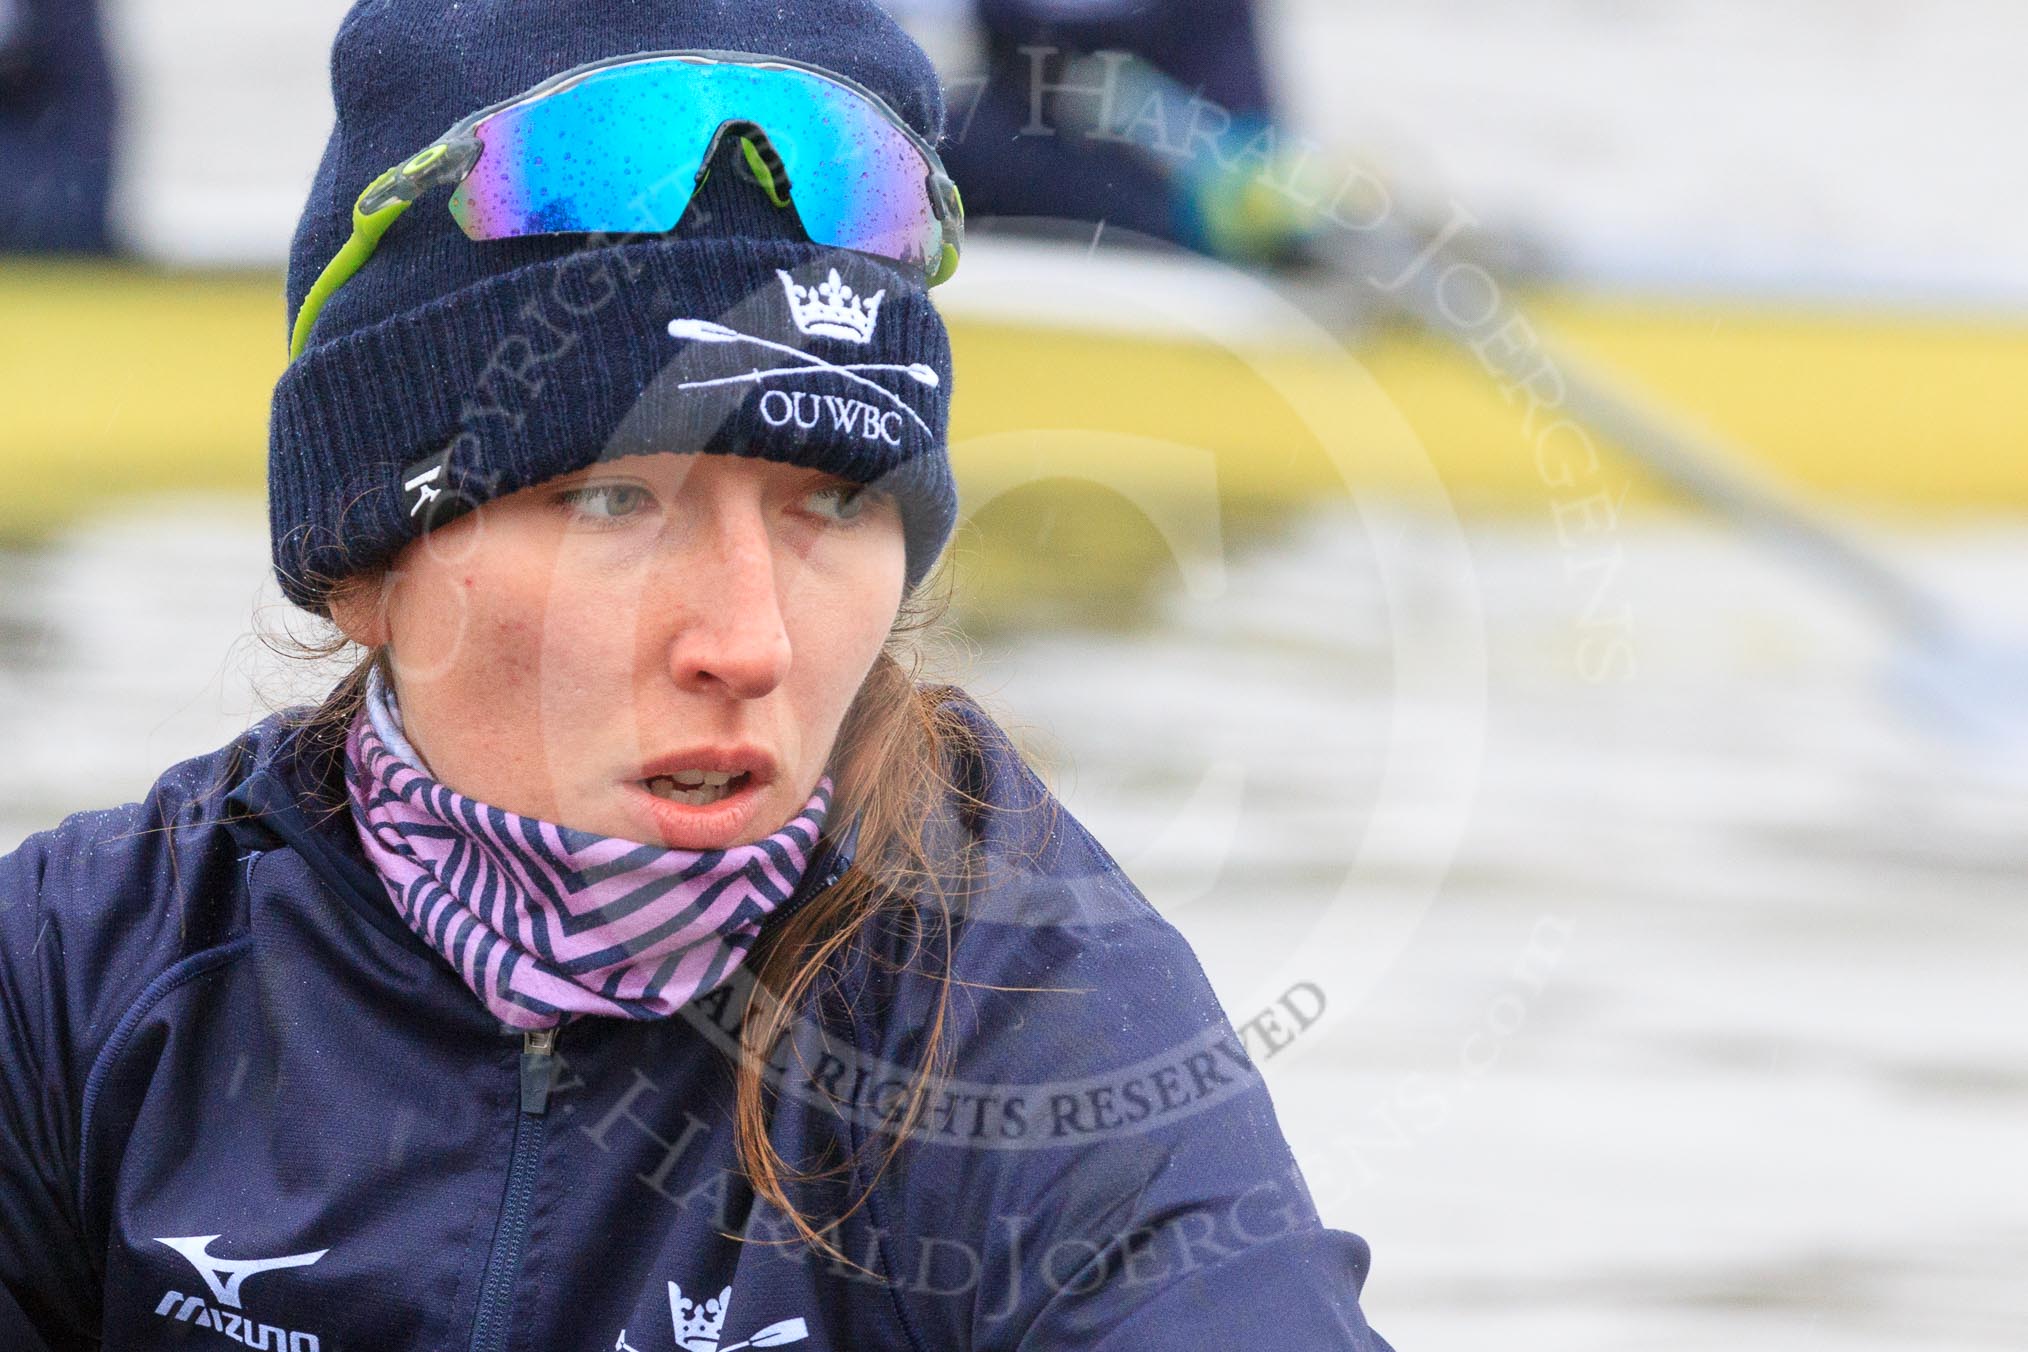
(1076, 365)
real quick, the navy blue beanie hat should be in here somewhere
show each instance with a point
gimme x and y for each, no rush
(449, 372)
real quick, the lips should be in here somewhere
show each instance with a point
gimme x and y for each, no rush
(696, 786)
(742, 758)
(703, 826)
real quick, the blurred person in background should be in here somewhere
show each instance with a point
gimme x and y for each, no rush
(57, 110)
(1056, 112)
(630, 927)
(1156, 123)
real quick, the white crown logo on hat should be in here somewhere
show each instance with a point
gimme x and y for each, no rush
(831, 309)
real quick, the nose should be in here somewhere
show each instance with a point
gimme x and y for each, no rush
(734, 637)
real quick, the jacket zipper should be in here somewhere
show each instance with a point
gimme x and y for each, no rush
(510, 1237)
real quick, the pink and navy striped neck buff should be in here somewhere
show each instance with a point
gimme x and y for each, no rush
(545, 922)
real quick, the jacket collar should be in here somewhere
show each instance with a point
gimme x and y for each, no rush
(291, 798)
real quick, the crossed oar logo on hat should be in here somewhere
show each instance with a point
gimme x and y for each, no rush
(705, 331)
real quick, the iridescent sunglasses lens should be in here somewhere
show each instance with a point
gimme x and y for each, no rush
(619, 150)
(617, 147)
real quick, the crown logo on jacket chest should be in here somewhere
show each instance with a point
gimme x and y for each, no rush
(698, 1322)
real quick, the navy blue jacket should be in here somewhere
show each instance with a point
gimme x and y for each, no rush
(240, 1102)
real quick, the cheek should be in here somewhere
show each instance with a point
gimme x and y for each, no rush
(476, 623)
(566, 642)
(836, 641)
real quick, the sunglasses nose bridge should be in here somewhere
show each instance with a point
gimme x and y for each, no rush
(762, 159)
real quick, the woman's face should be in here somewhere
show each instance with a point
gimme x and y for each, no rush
(559, 650)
